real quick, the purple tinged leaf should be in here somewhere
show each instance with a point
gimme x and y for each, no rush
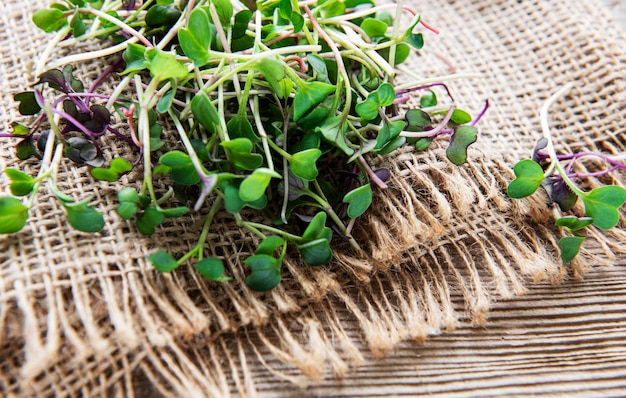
(55, 79)
(383, 174)
(562, 195)
(541, 144)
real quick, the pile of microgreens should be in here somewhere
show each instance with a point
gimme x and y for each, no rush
(271, 107)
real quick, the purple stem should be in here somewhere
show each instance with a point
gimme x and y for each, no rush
(596, 174)
(575, 156)
(481, 114)
(373, 177)
(77, 101)
(76, 123)
(423, 87)
(104, 74)
(121, 136)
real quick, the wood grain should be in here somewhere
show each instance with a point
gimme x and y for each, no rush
(567, 340)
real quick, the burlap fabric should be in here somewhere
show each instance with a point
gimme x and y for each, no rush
(86, 315)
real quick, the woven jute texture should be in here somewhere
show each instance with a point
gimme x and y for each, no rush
(87, 315)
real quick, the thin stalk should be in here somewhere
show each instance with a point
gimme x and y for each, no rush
(396, 30)
(340, 65)
(545, 128)
(125, 27)
(49, 48)
(321, 199)
(254, 105)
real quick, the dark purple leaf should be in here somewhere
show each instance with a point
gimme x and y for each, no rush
(55, 79)
(541, 144)
(562, 195)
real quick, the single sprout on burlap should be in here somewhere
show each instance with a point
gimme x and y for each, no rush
(555, 174)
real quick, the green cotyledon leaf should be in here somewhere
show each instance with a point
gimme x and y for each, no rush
(603, 203)
(529, 176)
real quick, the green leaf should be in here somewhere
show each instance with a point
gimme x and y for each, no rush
(162, 16)
(332, 8)
(240, 151)
(225, 11)
(163, 65)
(165, 103)
(462, 138)
(21, 183)
(388, 133)
(335, 132)
(127, 210)
(20, 129)
(428, 99)
(117, 167)
(603, 203)
(303, 165)
(285, 9)
(182, 169)
(242, 20)
(253, 187)
(269, 244)
(392, 146)
(120, 165)
(308, 96)
(374, 27)
(128, 194)
(196, 38)
(416, 40)
(320, 68)
(104, 174)
(403, 51)
(316, 252)
(78, 26)
(529, 176)
(417, 120)
(460, 116)
(13, 215)
(570, 247)
(297, 21)
(155, 137)
(573, 223)
(423, 143)
(163, 261)
(135, 58)
(211, 268)
(148, 221)
(317, 229)
(28, 103)
(265, 272)
(232, 202)
(382, 96)
(26, 148)
(240, 127)
(204, 111)
(273, 72)
(50, 19)
(83, 217)
(174, 211)
(358, 200)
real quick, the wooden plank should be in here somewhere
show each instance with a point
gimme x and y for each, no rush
(557, 340)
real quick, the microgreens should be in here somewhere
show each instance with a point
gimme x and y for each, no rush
(555, 174)
(273, 108)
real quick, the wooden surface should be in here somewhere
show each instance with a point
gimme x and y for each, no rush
(566, 340)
